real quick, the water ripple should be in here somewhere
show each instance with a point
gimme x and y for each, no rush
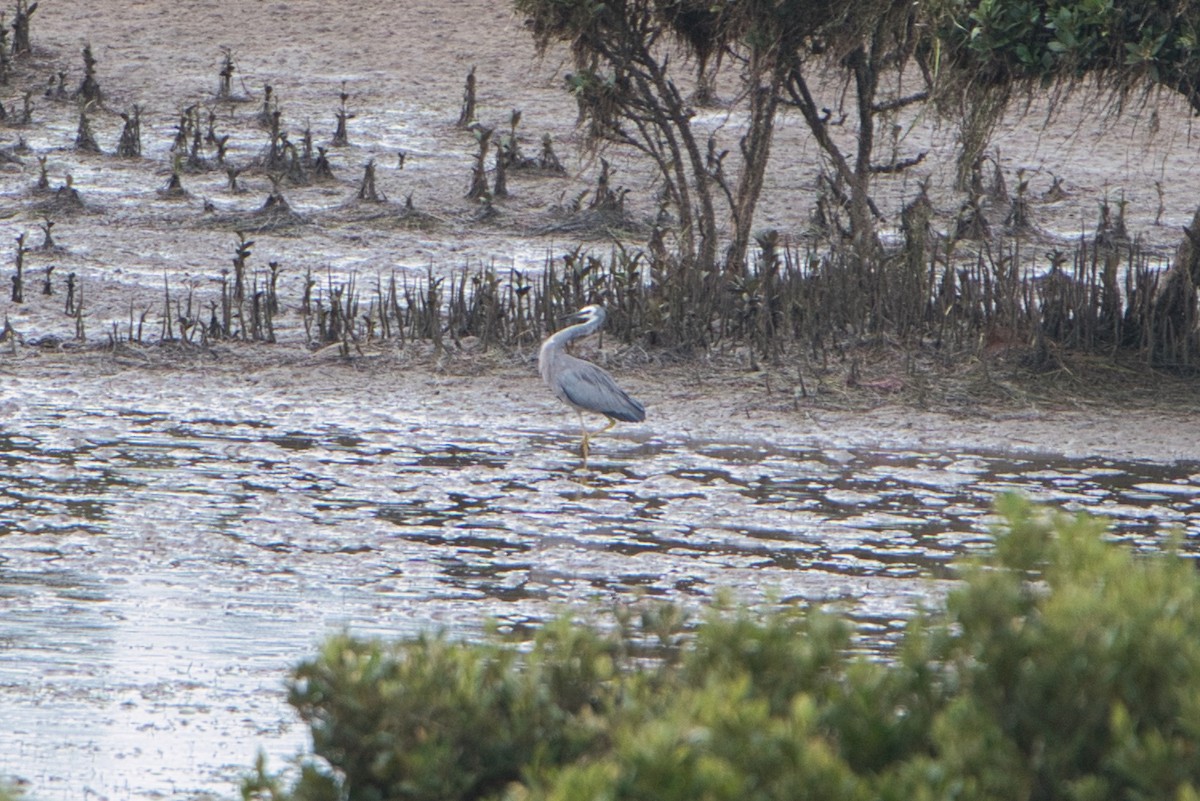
(162, 566)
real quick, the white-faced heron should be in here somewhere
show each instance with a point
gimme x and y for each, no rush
(581, 384)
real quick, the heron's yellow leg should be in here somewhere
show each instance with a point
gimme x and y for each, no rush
(587, 436)
(585, 446)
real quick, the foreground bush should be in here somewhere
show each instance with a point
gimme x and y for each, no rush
(1063, 667)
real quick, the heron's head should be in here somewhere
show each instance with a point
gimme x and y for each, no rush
(588, 314)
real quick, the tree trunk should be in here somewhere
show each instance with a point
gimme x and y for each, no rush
(756, 151)
(862, 218)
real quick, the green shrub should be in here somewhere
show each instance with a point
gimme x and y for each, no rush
(1064, 666)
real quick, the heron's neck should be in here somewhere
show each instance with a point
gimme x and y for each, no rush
(573, 332)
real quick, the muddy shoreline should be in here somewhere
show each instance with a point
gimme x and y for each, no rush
(1143, 416)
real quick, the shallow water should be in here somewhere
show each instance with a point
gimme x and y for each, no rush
(169, 547)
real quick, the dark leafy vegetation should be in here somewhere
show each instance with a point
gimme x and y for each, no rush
(1064, 666)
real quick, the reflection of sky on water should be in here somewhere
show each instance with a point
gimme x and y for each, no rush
(162, 565)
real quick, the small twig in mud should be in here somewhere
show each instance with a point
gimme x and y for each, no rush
(132, 334)
(241, 256)
(26, 107)
(509, 146)
(69, 308)
(500, 185)
(224, 88)
(47, 236)
(273, 288)
(306, 146)
(9, 334)
(340, 137)
(605, 197)
(232, 174)
(18, 279)
(275, 200)
(548, 161)
(366, 189)
(43, 181)
(183, 130)
(322, 171)
(210, 130)
(85, 140)
(479, 183)
(80, 333)
(1020, 217)
(56, 89)
(89, 90)
(276, 151)
(1056, 192)
(222, 143)
(20, 26)
(168, 332)
(5, 61)
(174, 188)
(1111, 231)
(130, 143)
(267, 114)
(195, 160)
(306, 299)
(293, 165)
(467, 115)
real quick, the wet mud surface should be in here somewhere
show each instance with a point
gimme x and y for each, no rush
(169, 548)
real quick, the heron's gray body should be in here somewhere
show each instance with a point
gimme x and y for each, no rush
(581, 384)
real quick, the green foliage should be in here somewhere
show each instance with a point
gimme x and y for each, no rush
(1063, 666)
(431, 719)
(1009, 41)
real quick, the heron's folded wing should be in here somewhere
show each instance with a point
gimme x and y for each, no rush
(590, 387)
